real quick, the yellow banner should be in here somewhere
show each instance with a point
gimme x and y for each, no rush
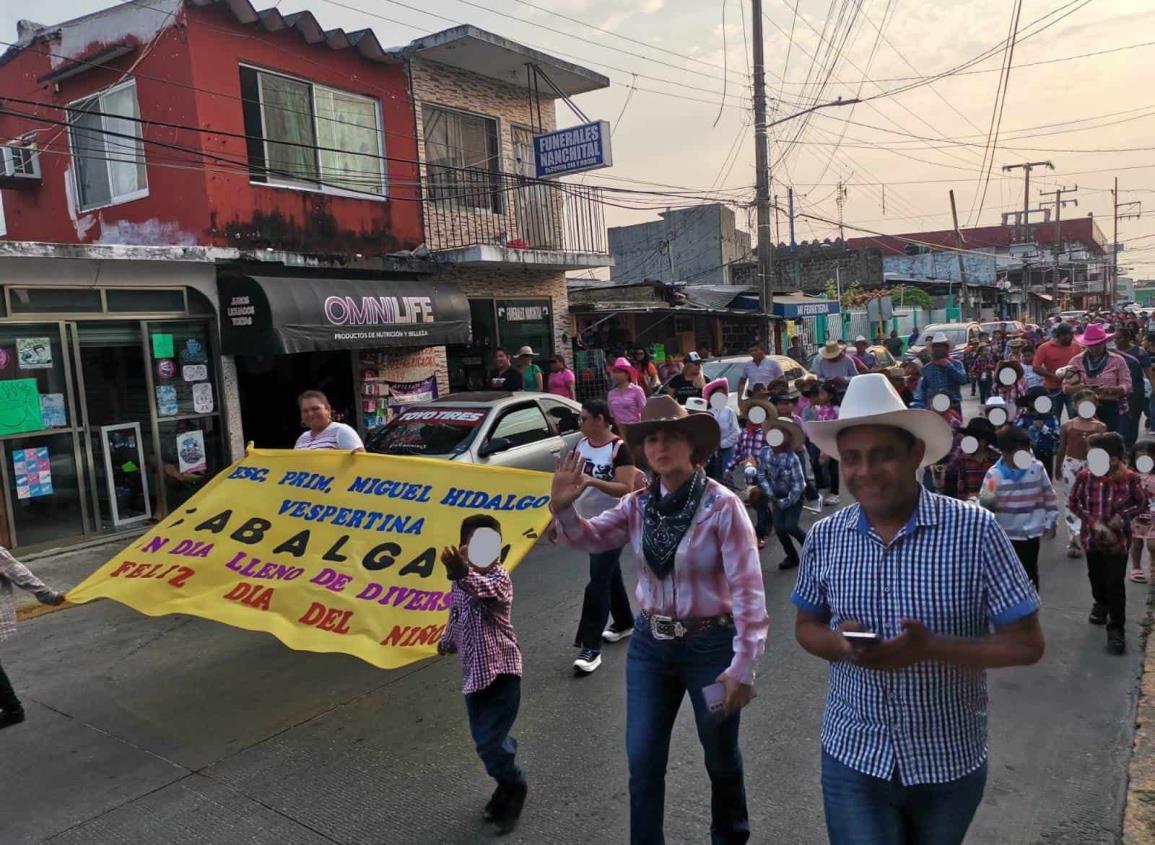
(325, 550)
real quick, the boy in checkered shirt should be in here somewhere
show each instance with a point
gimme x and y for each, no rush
(480, 632)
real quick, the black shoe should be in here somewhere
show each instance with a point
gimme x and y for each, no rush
(1116, 641)
(510, 810)
(8, 718)
(789, 563)
(496, 804)
(1098, 615)
(588, 660)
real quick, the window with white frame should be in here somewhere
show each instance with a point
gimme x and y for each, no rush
(300, 133)
(107, 152)
(462, 158)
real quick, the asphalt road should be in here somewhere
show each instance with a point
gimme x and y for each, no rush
(179, 731)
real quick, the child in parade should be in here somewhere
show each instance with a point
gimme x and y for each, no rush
(782, 482)
(1143, 526)
(982, 368)
(480, 631)
(1030, 378)
(826, 402)
(936, 477)
(1018, 490)
(1071, 456)
(1106, 505)
(746, 454)
(975, 458)
(717, 395)
(785, 402)
(14, 573)
(1041, 426)
(1013, 392)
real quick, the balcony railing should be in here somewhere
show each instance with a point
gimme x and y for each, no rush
(472, 206)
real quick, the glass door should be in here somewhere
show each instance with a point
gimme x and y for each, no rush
(40, 437)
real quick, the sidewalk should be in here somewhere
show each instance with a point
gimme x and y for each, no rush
(1139, 815)
(63, 569)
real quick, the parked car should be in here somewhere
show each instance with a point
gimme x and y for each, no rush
(730, 368)
(522, 430)
(959, 335)
(1007, 327)
(885, 359)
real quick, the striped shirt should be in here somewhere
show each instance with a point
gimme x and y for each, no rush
(953, 569)
(333, 436)
(480, 628)
(1026, 506)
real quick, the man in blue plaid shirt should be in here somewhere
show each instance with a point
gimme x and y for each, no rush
(938, 585)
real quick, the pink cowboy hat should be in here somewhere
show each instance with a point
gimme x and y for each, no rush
(713, 387)
(1093, 335)
(625, 366)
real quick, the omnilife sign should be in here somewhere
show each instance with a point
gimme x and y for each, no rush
(573, 150)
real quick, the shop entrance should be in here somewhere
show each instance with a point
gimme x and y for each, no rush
(104, 424)
(269, 387)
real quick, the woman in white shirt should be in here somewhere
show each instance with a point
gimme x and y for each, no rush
(323, 433)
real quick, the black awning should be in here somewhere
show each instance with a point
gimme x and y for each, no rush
(275, 315)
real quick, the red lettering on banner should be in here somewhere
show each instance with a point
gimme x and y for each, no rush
(132, 569)
(327, 618)
(411, 635)
(251, 595)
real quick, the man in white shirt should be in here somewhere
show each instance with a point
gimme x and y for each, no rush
(323, 433)
(761, 370)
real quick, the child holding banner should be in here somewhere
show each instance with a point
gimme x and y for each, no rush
(480, 631)
(12, 572)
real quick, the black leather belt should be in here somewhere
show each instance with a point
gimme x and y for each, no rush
(668, 628)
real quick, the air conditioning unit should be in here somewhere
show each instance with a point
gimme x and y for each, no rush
(19, 165)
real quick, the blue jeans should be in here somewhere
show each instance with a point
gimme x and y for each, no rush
(659, 673)
(865, 810)
(605, 598)
(718, 463)
(786, 527)
(762, 519)
(492, 712)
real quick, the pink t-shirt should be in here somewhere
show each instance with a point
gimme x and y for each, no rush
(561, 383)
(626, 405)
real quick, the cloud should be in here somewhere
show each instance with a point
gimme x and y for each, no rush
(650, 7)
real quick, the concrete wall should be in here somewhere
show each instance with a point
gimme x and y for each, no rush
(692, 245)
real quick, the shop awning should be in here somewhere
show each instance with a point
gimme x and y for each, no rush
(276, 315)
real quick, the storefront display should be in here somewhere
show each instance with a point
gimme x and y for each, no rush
(391, 381)
(500, 323)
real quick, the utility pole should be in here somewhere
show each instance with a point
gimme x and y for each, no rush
(1027, 167)
(762, 182)
(840, 200)
(962, 270)
(1059, 203)
(1133, 215)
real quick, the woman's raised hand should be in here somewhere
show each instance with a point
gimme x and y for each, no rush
(568, 482)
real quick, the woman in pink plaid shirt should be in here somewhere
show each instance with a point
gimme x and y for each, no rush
(702, 628)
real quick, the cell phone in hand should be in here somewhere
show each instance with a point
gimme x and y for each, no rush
(861, 638)
(715, 696)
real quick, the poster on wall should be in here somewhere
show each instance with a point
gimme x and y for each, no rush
(404, 394)
(34, 353)
(190, 451)
(20, 406)
(32, 470)
(193, 352)
(52, 410)
(165, 369)
(202, 397)
(162, 346)
(166, 400)
(194, 372)
(7, 362)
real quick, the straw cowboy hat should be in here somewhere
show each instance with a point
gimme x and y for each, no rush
(1093, 336)
(664, 412)
(795, 439)
(526, 352)
(831, 349)
(872, 400)
(746, 404)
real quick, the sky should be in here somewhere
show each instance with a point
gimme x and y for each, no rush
(680, 100)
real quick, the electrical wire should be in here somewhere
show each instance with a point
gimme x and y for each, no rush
(997, 114)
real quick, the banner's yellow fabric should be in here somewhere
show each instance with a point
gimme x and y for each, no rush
(325, 550)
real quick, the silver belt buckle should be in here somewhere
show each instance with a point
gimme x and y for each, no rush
(666, 628)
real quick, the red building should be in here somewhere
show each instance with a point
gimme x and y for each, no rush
(199, 125)
(205, 209)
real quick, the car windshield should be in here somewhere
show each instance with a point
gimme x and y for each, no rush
(428, 431)
(729, 370)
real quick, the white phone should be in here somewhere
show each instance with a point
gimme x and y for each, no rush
(861, 637)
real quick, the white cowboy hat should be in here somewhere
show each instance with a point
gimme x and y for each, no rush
(861, 339)
(871, 400)
(939, 337)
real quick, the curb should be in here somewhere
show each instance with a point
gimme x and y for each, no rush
(1139, 810)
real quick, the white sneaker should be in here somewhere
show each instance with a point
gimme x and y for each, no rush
(831, 500)
(587, 661)
(614, 634)
(813, 507)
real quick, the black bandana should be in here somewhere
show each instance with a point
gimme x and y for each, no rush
(667, 519)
